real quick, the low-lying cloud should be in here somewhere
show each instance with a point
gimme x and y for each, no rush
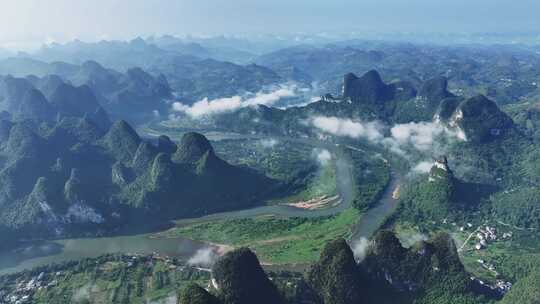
(411, 239)
(423, 167)
(421, 136)
(359, 248)
(208, 107)
(268, 143)
(204, 257)
(323, 156)
(347, 127)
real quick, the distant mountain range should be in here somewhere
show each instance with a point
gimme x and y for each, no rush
(189, 70)
(470, 70)
(195, 80)
(369, 98)
(137, 93)
(133, 95)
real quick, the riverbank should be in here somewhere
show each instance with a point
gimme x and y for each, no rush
(317, 203)
(275, 240)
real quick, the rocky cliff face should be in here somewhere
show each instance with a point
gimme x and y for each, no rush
(478, 118)
(441, 171)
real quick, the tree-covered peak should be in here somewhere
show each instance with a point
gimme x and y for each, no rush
(122, 140)
(240, 279)
(335, 277)
(194, 294)
(192, 147)
(480, 119)
(368, 88)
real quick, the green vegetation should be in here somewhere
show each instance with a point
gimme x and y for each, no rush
(240, 279)
(71, 176)
(372, 175)
(518, 207)
(430, 270)
(106, 279)
(323, 183)
(481, 119)
(423, 199)
(527, 116)
(194, 294)
(514, 259)
(280, 241)
(292, 163)
(525, 291)
(335, 276)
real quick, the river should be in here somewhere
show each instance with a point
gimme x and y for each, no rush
(42, 253)
(372, 220)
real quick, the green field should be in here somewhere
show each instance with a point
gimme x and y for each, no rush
(275, 240)
(111, 279)
(512, 259)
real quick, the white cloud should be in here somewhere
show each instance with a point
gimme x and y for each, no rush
(204, 257)
(419, 136)
(408, 240)
(349, 128)
(207, 107)
(268, 143)
(359, 248)
(412, 141)
(423, 167)
(272, 97)
(323, 156)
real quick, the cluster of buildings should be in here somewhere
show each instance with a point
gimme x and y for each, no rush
(485, 235)
(25, 289)
(132, 259)
(501, 287)
(488, 234)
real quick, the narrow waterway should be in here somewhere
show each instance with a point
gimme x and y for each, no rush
(372, 220)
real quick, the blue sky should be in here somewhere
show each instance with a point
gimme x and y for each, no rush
(32, 21)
